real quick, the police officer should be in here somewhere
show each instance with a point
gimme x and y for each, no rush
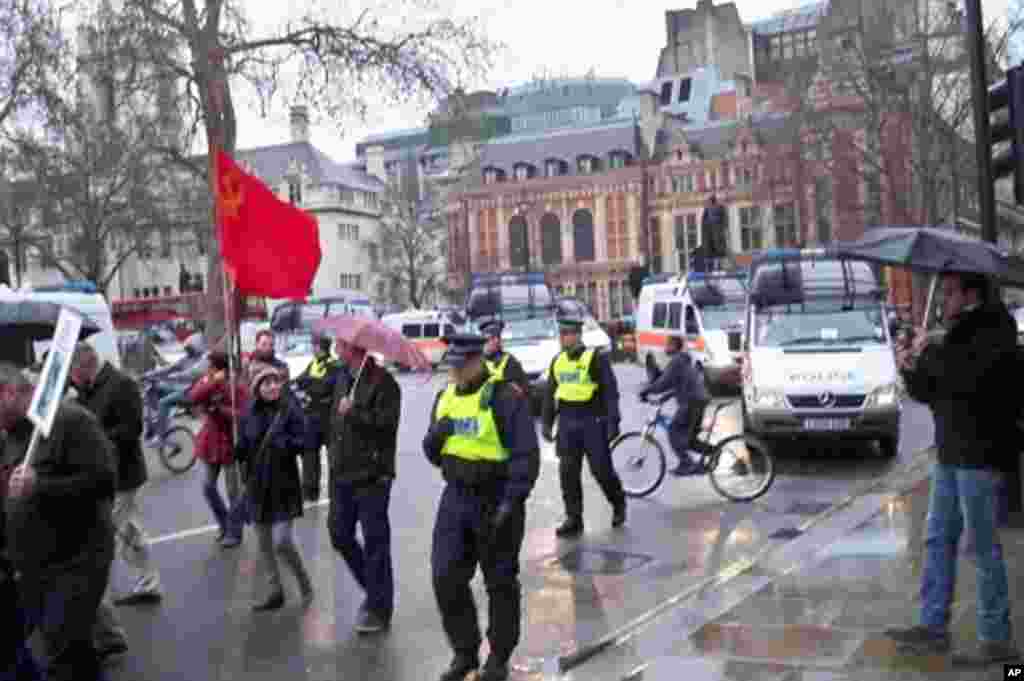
(583, 393)
(483, 439)
(318, 382)
(502, 365)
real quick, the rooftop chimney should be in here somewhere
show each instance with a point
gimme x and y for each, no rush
(300, 123)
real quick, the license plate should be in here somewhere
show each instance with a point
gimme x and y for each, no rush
(827, 424)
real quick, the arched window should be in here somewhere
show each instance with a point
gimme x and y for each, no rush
(583, 235)
(518, 242)
(551, 239)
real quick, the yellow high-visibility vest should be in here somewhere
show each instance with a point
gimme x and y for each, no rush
(573, 378)
(476, 433)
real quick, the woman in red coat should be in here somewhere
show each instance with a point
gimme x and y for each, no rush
(211, 396)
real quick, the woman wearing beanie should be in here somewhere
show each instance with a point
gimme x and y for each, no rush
(271, 438)
(211, 395)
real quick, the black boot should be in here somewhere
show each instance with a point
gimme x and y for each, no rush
(619, 514)
(572, 527)
(460, 667)
(275, 601)
(495, 670)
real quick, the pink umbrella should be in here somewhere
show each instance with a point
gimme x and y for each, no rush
(375, 337)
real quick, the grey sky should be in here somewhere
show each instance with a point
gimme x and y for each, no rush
(615, 38)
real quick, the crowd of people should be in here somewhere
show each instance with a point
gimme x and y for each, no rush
(74, 509)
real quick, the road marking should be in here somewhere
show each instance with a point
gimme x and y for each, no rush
(206, 529)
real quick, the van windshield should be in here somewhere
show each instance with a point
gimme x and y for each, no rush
(789, 326)
(722, 317)
(526, 330)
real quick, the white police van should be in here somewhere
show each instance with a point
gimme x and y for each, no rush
(819, 360)
(708, 309)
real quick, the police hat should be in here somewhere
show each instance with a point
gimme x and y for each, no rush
(463, 347)
(492, 327)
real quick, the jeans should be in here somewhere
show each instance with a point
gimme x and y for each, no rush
(369, 562)
(164, 408)
(230, 522)
(962, 496)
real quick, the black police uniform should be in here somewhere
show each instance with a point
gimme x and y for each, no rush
(318, 381)
(506, 366)
(481, 517)
(585, 427)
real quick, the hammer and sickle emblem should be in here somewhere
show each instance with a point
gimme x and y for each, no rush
(231, 194)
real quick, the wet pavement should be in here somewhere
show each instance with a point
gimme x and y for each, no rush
(815, 608)
(658, 592)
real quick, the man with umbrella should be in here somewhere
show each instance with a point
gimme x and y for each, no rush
(501, 364)
(361, 455)
(967, 379)
(483, 439)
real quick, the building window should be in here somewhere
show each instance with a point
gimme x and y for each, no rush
(784, 217)
(488, 242)
(138, 293)
(614, 300)
(518, 242)
(522, 172)
(351, 281)
(618, 159)
(776, 47)
(583, 235)
(726, 175)
(823, 209)
(346, 195)
(684, 90)
(551, 239)
(656, 255)
(787, 46)
(295, 191)
(618, 241)
(165, 243)
(751, 232)
(812, 42)
(370, 199)
(587, 165)
(666, 93)
(553, 168)
(746, 178)
(712, 180)
(347, 232)
(592, 301)
(373, 255)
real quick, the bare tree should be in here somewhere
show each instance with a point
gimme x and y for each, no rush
(412, 252)
(31, 46)
(101, 192)
(339, 64)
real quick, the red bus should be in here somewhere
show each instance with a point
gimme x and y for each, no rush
(185, 312)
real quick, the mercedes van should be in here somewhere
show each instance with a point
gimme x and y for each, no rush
(819, 360)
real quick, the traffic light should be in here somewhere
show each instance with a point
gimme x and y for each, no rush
(1006, 106)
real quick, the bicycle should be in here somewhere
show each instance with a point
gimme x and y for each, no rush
(736, 458)
(176, 445)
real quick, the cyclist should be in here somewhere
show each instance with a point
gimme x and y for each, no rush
(172, 385)
(682, 378)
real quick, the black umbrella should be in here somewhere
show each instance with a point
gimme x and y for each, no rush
(23, 322)
(934, 250)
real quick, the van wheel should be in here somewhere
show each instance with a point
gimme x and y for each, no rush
(889, 446)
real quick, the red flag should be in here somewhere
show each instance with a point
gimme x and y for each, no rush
(270, 247)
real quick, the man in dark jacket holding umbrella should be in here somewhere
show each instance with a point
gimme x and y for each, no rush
(361, 454)
(967, 379)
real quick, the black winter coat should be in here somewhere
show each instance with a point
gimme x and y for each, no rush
(363, 442)
(115, 400)
(969, 379)
(273, 485)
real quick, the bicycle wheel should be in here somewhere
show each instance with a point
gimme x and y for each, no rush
(177, 449)
(640, 463)
(741, 468)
